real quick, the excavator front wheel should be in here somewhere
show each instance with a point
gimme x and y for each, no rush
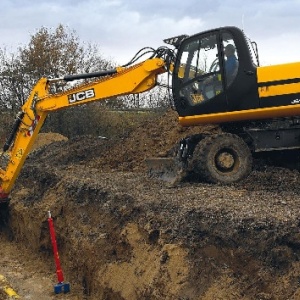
(222, 158)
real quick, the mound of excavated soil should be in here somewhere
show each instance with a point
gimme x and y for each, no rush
(154, 137)
(124, 236)
(45, 139)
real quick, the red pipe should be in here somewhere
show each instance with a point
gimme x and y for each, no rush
(59, 272)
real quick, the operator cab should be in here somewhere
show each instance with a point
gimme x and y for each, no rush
(215, 71)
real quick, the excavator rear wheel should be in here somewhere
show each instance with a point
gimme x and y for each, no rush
(222, 158)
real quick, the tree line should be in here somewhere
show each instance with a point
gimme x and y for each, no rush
(53, 53)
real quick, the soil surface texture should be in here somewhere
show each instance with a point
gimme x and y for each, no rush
(124, 236)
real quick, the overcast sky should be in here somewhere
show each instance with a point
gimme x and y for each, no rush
(122, 27)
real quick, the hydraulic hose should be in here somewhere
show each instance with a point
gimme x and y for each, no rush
(14, 131)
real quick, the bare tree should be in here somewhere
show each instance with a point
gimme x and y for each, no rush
(50, 53)
(11, 82)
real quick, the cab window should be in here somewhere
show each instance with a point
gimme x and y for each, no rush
(199, 69)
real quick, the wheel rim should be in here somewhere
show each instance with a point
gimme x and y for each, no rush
(226, 161)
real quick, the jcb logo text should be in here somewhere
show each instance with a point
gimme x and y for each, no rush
(81, 96)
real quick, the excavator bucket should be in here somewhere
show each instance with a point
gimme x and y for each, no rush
(168, 169)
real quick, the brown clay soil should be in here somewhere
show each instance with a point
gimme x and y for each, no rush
(122, 235)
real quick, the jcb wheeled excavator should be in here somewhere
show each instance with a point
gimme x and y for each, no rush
(257, 108)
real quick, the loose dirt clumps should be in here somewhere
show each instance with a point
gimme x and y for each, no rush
(122, 235)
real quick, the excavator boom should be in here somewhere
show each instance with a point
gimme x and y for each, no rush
(120, 81)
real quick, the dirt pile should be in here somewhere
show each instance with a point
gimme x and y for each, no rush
(124, 236)
(45, 139)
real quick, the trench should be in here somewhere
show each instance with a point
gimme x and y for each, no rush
(124, 236)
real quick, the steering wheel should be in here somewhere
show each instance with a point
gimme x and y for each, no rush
(214, 66)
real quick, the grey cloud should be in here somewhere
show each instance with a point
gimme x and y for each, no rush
(120, 26)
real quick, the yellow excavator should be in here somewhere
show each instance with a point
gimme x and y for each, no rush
(216, 79)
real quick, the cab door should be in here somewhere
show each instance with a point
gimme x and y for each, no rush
(197, 77)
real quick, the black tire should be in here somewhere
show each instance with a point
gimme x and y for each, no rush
(222, 158)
